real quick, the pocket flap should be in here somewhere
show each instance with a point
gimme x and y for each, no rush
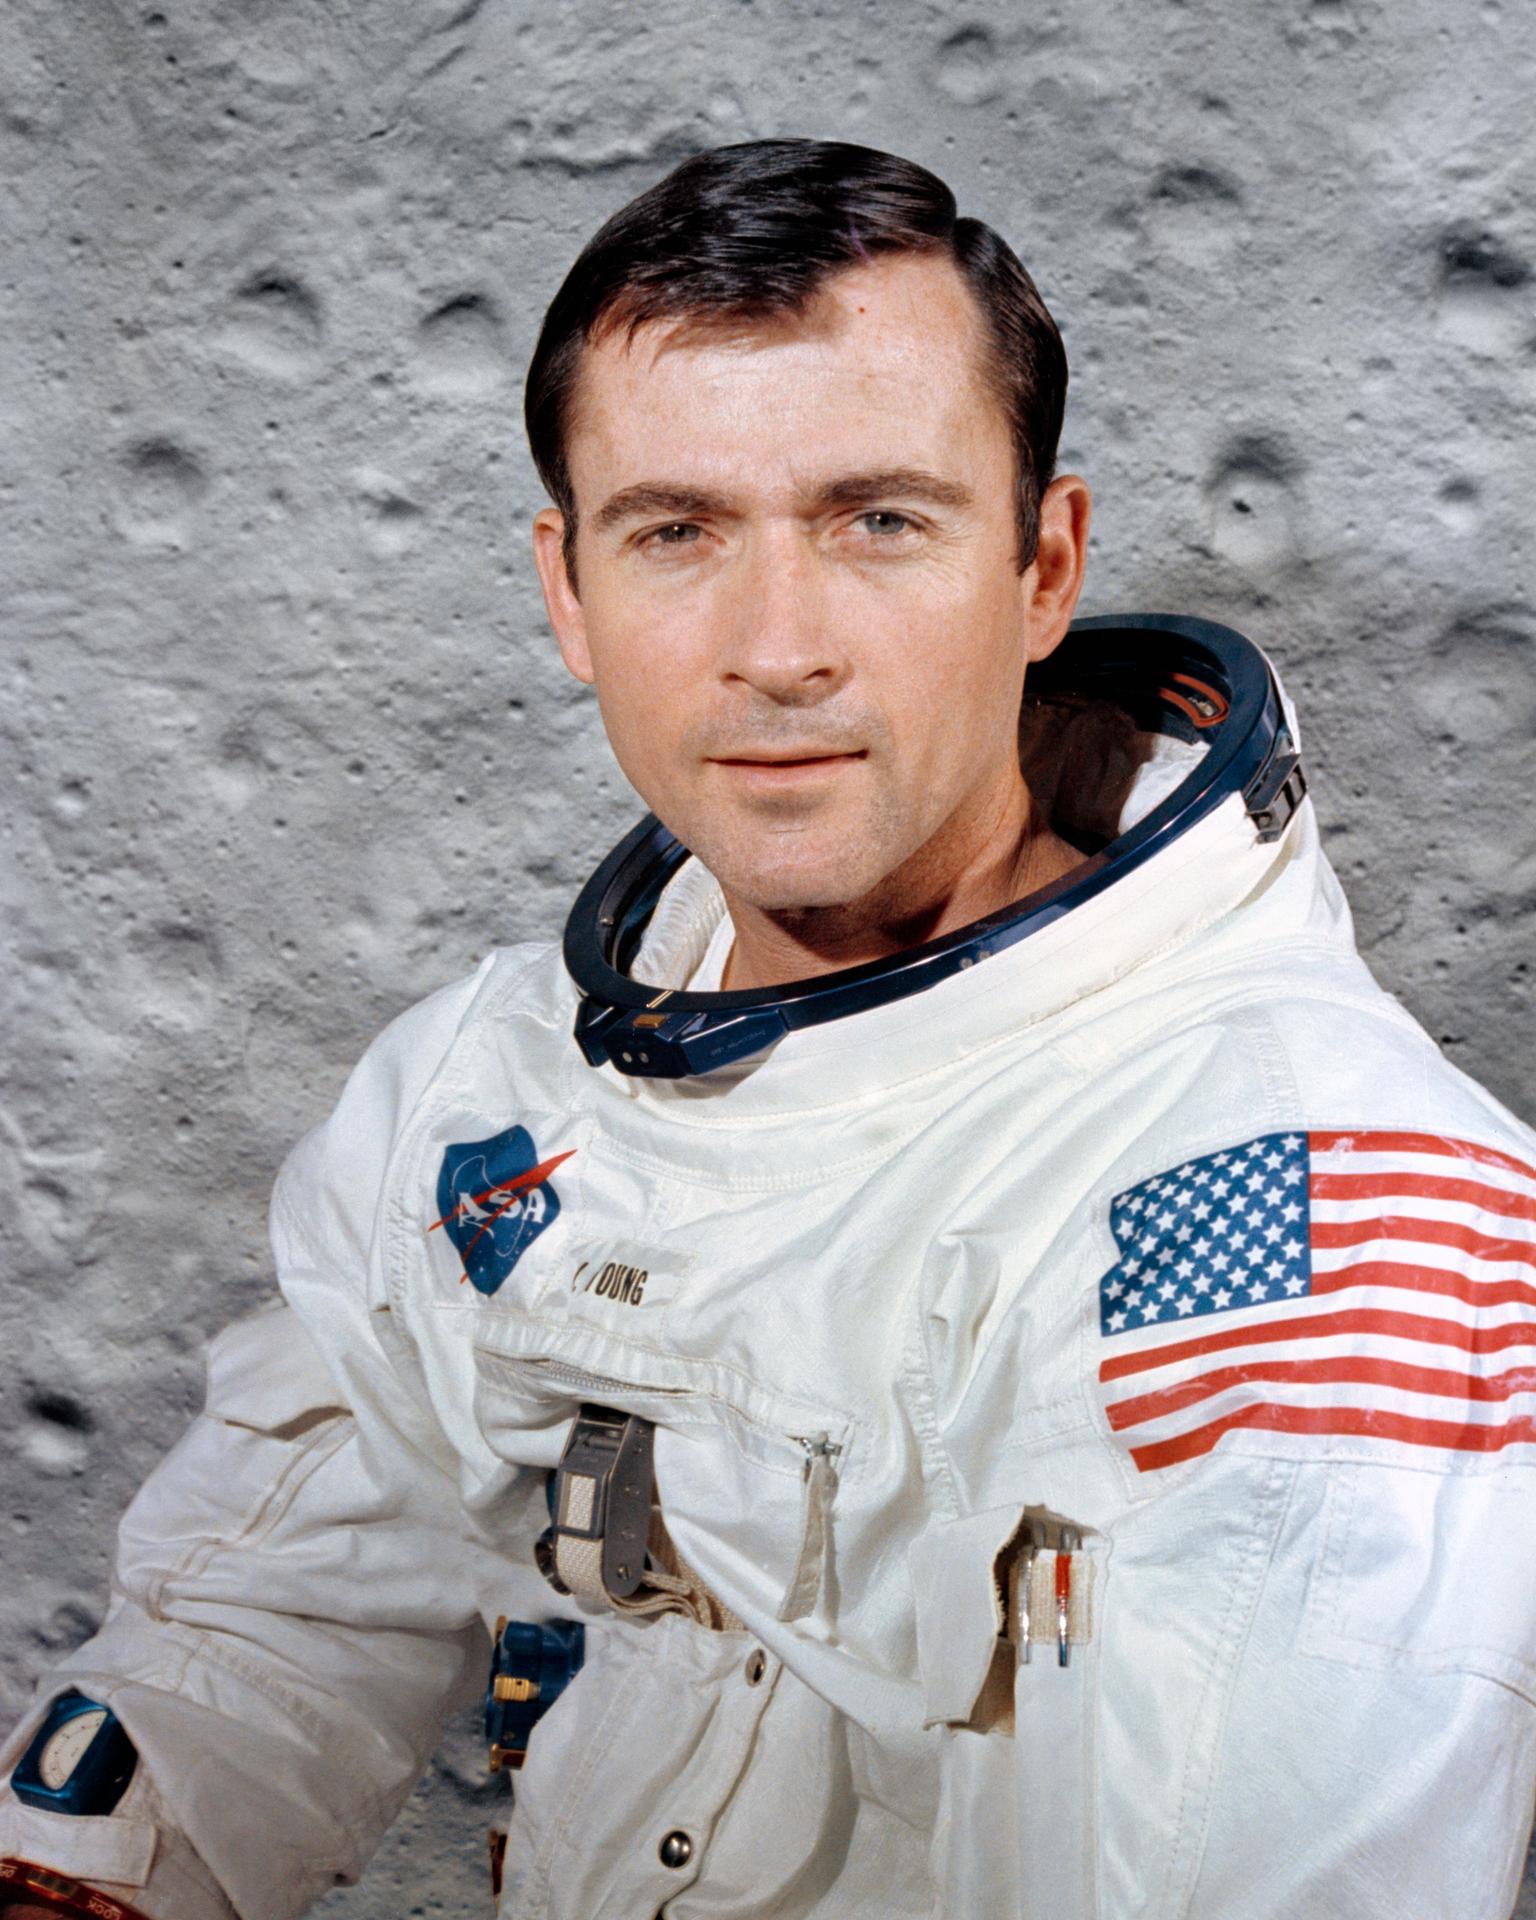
(1429, 1573)
(959, 1608)
(91, 1847)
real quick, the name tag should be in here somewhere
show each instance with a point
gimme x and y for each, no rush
(614, 1282)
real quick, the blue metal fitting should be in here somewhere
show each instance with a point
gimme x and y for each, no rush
(532, 1664)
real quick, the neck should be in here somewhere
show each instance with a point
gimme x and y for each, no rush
(972, 867)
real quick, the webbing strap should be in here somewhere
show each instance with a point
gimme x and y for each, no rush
(579, 1564)
(672, 1586)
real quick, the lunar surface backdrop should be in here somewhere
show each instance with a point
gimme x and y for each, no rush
(287, 742)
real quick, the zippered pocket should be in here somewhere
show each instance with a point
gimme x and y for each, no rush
(581, 1381)
(747, 1495)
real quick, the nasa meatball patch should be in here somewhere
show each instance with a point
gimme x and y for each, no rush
(494, 1198)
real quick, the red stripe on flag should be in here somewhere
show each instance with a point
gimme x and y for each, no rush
(1312, 1326)
(1422, 1186)
(1363, 1423)
(1420, 1143)
(1439, 1233)
(1455, 1286)
(1345, 1370)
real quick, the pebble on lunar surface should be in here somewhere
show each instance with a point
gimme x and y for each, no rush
(321, 340)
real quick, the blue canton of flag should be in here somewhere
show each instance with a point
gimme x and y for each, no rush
(1224, 1231)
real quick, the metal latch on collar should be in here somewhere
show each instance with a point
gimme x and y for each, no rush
(602, 1504)
(1277, 789)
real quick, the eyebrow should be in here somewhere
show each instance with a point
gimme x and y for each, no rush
(848, 490)
(884, 483)
(658, 497)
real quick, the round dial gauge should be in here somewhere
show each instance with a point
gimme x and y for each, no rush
(67, 1748)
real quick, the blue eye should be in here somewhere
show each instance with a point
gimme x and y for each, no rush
(883, 521)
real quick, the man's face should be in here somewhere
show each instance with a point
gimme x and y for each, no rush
(799, 598)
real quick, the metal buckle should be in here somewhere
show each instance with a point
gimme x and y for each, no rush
(603, 1488)
(1277, 789)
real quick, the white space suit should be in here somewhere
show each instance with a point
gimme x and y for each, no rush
(919, 1278)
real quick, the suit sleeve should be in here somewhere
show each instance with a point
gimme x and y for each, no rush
(297, 1603)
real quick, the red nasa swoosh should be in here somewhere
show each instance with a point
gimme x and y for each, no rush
(515, 1189)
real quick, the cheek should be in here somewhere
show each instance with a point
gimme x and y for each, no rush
(947, 701)
(644, 699)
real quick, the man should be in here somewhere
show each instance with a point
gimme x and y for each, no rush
(1035, 1378)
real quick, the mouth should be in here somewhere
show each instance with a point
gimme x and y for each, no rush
(786, 762)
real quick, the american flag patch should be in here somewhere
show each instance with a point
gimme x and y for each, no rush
(1379, 1286)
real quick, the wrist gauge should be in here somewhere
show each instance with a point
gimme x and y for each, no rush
(80, 1760)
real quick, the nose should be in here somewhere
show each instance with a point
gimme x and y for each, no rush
(778, 629)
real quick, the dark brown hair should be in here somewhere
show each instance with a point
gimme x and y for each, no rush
(747, 232)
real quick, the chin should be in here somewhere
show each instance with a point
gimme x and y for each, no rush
(778, 871)
(780, 886)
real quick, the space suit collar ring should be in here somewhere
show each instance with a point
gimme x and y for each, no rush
(1171, 673)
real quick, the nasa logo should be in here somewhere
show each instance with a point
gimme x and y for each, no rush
(494, 1198)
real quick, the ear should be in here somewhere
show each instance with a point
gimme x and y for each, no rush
(1054, 579)
(560, 602)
